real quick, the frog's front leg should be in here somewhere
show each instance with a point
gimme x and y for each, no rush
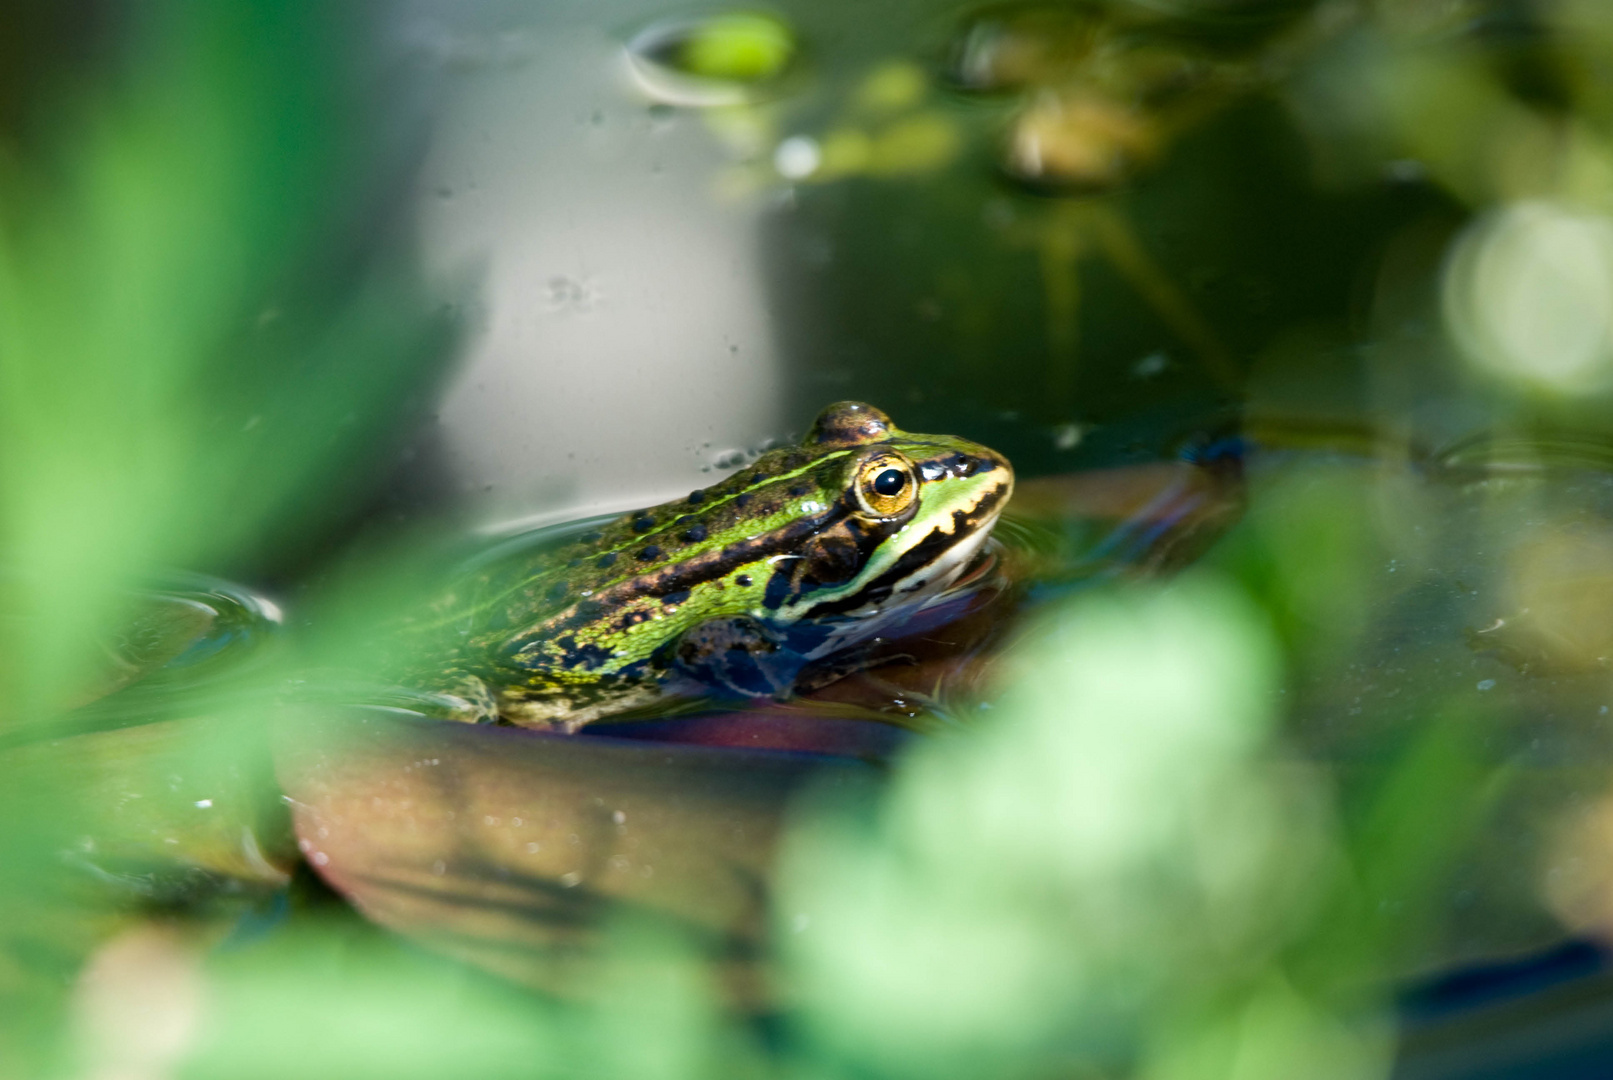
(740, 656)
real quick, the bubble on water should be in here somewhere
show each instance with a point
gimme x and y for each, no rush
(1153, 364)
(1528, 295)
(733, 58)
(1487, 684)
(797, 157)
(574, 295)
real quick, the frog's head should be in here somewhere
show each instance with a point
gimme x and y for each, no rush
(904, 517)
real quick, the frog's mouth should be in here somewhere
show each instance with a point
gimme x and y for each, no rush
(962, 568)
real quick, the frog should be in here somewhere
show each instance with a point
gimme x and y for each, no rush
(774, 579)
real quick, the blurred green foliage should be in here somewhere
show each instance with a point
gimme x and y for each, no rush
(198, 326)
(185, 352)
(1109, 858)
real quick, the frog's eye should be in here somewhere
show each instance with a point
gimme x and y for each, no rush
(885, 485)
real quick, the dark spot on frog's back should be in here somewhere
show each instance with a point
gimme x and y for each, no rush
(673, 599)
(696, 498)
(694, 534)
(831, 559)
(635, 672)
(592, 536)
(588, 657)
(606, 561)
(651, 552)
(585, 612)
(557, 591)
(643, 523)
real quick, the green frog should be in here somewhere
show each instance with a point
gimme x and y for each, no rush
(758, 586)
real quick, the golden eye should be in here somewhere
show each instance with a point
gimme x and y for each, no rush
(886, 485)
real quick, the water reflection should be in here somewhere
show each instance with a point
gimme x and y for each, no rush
(1103, 94)
(610, 281)
(174, 646)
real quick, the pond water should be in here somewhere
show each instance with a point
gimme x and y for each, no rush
(1276, 743)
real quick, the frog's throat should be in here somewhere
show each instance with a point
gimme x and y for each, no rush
(888, 618)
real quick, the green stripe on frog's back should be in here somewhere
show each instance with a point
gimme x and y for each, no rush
(654, 565)
(565, 554)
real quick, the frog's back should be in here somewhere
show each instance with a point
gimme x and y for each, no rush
(602, 580)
